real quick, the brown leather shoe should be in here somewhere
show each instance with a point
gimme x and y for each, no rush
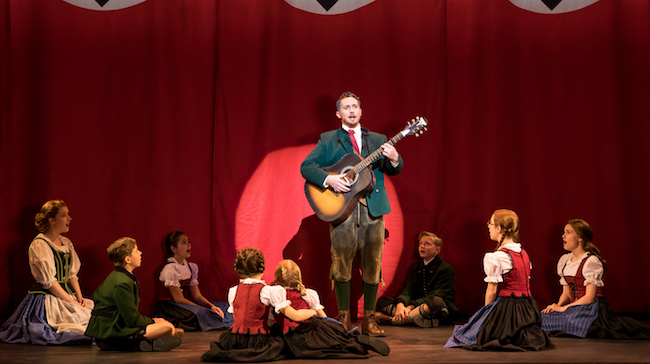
(383, 319)
(370, 326)
(344, 318)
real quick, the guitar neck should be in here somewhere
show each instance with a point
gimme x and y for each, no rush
(376, 154)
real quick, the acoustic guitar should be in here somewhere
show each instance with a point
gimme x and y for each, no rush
(335, 207)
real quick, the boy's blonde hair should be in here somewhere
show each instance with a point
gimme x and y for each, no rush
(120, 249)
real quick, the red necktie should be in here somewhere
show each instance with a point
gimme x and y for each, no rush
(354, 141)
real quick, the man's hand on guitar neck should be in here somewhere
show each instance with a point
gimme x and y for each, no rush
(389, 151)
(338, 182)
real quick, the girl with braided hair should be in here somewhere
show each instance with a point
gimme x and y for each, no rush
(319, 337)
(582, 310)
(250, 339)
(510, 319)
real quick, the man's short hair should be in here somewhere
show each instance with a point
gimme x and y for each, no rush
(436, 240)
(120, 249)
(344, 95)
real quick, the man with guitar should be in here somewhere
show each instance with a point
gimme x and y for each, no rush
(363, 229)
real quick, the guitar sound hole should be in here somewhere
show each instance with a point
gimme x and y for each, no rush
(349, 173)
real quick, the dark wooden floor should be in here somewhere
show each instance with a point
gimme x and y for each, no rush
(408, 345)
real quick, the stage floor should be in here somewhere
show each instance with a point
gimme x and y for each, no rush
(408, 345)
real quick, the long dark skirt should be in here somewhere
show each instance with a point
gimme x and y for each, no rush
(514, 325)
(508, 324)
(322, 338)
(610, 326)
(245, 348)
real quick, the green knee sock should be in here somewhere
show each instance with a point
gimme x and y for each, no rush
(369, 296)
(342, 290)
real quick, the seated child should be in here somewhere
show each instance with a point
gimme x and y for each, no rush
(318, 337)
(54, 312)
(428, 296)
(183, 304)
(249, 339)
(510, 319)
(582, 310)
(116, 323)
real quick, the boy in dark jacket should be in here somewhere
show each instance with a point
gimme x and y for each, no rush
(116, 323)
(428, 296)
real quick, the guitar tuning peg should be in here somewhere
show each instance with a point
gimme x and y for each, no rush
(417, 135)
(425, 128)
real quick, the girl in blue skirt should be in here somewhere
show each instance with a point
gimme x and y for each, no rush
(510, 319)
(582, 310)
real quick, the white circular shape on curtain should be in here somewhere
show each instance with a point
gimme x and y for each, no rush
(328, 7)
(104, 5)
(552, 6)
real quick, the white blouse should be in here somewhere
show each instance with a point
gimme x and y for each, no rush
(173, 273)
(41, 260)
(592, 270)
(312, 298)
(275, 296)
(498, 263)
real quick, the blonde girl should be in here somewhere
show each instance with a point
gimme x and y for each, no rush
(318, 337)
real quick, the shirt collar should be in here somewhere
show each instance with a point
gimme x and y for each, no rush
(515, 247)
(426, 262)
(357, 129)
(251, 281)
(120, 268)
(173, 260)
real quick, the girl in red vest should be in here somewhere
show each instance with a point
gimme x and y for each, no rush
(510, 319)
(581, 310)
(249, 339)
(318, 337)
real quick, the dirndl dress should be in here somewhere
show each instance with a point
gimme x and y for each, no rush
(42, 318)
(188, 317)
(595, 320)
(249, 339)
(512, 322)
(317, 337)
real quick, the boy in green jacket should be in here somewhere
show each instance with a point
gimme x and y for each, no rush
(116, 323)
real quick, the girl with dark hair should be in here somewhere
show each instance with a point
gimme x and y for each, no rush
(55, 311)
(510, 319)
(582, 310)
(183, 304)
(249, 339)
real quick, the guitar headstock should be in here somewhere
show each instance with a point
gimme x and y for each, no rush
(415, 127)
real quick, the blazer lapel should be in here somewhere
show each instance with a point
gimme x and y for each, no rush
(365, 148)
(344, 140)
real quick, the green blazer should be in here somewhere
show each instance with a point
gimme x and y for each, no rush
(333, 145)
(116, 307)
